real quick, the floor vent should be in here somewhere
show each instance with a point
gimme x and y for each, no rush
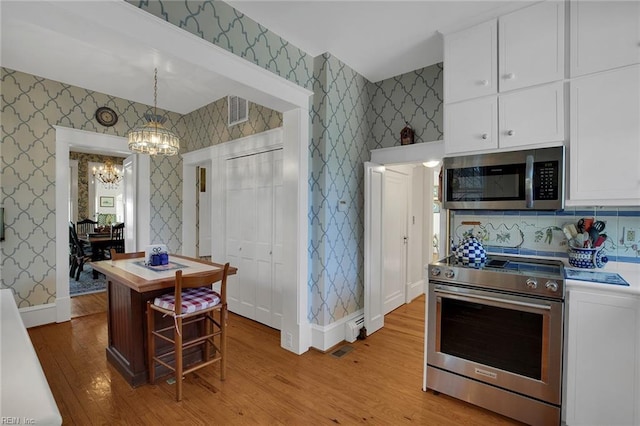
(339, 353)
(353, 328)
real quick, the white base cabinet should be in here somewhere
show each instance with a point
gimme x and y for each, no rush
(603, 359)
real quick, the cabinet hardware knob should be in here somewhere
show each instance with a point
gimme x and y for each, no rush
(511, 132)
(510, 76)
(485, 136)
(484, 82)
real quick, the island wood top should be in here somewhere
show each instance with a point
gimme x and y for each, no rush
(140, 278)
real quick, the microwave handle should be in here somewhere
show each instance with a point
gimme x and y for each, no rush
(528, 182)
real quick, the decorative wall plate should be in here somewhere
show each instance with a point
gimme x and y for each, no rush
(106, 116)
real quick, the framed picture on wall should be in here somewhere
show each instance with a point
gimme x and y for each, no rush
(106, 202)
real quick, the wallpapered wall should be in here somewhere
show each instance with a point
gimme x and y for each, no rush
(415, 97)
(346, 108)
(207, 126)
(340, 130)
(30, 107)
(83, 178)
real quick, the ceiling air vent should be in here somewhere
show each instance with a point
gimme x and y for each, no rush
(238, 110)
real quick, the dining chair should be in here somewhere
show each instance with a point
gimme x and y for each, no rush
(80, 255)
(192, 304)
(86, 226)
(117, 238)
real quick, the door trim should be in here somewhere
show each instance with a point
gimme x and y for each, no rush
(67, 138)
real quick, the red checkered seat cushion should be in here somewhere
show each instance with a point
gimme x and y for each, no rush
(193, 300)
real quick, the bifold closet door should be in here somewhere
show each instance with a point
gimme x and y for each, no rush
(254, 235)
(241, 233)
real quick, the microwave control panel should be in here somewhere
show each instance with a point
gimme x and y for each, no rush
(545, 180)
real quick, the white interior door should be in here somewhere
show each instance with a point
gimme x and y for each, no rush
(373, 239)
(395, 240)
(204, 214)
(130, 182)
(254, 235)
(241, 233)
(278, 232)
(264, 236)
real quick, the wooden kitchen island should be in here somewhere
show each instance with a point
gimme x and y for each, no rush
(130, 284)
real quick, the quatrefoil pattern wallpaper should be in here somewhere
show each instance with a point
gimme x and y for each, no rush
(349, 116)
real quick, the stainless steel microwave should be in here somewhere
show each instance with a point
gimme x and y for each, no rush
(516, 180)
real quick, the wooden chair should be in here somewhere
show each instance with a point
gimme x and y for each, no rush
(192, 303)
(117, 238)
(80, 254)
(85, 227)
(118, 256)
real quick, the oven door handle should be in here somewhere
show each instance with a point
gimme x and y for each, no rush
(502, 302)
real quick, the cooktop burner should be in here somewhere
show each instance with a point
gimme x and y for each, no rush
(525, 275)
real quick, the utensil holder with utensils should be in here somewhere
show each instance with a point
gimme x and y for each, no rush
(587, 257)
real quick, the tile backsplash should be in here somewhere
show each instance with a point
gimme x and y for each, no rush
(540, 233)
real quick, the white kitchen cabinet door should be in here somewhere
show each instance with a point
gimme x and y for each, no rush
(603, 359)
(605, 138)
(470, 58)
(471, 125)
(531, 46)
(604, 35)
(531, 116)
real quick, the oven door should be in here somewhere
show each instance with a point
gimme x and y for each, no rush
(512, 342)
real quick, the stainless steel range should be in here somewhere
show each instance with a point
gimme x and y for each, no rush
(495, 333)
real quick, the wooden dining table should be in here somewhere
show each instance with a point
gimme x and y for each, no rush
(130, 284)
(99, 242)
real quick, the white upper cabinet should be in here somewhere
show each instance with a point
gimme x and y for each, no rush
(605, 138)
(529, 43)
(531, 46)
(526, 117)
(470, 58)
(471, 125)
(530, 116)
(604, 35)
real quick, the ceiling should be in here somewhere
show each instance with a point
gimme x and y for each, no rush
(102, 45)
(378, 39)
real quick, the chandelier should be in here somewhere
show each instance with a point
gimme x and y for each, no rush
(109, 175)
(153, 138)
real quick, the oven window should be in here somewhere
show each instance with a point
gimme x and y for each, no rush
(507, 339)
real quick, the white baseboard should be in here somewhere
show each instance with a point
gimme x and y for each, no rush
(414, 290)
(325, 337)
(38, 315)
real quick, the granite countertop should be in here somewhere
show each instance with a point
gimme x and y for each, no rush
(630, 272)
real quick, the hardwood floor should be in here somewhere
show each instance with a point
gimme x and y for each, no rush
(88, 304)
(378, 382)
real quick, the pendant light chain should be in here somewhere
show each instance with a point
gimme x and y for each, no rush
(155, 91)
